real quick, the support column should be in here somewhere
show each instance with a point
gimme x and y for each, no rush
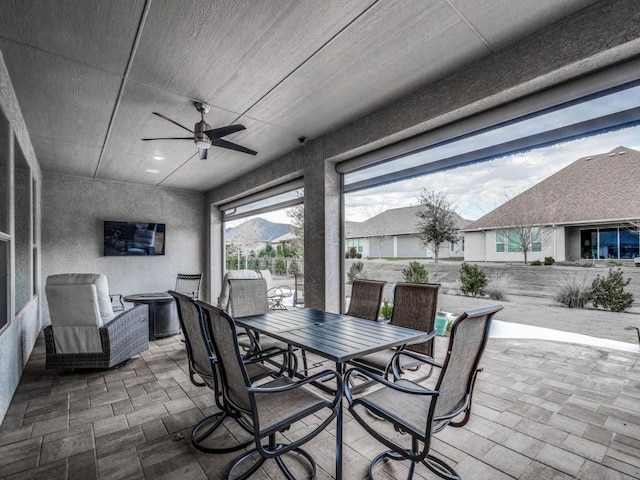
(322, 238)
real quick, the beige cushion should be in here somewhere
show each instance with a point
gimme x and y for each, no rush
(79, 305)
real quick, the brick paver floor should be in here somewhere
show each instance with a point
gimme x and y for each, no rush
(542, 410)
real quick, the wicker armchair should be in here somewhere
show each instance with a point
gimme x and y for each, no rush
(366, 297)
(271, 408)
(203, 373)
(84, 332)
(418, 411)
(414, 306)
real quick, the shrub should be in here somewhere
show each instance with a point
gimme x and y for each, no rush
(280, 266)
(293, 267)
(355, 271)
(549, 260)
(498, 285)
(608, 292)
(353, 252)
(254, 263)
(386, 310)
(415, 273)
(473, 280)
(535, 262)
(574, 291)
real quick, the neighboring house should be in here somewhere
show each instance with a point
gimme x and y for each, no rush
(393, 234)
(589, 209)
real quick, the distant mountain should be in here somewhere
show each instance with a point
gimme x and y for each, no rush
(259, 230)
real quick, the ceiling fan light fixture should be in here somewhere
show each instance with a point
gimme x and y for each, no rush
(203, 144)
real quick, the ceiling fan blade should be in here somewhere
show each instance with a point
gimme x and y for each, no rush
(203, 153)
(223, 131)
(172, 121)
(219, 142)
(169, 138)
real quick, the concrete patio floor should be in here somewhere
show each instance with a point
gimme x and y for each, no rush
(542, 410)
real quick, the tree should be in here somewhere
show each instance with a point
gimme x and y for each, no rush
(246, 236)
(437, 223)
(523, 219)
(379, 229)
(296, 214)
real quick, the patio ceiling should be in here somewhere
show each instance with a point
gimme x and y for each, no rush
(89, 73)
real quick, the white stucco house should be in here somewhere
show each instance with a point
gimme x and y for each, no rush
(393, 234)
(588, 210)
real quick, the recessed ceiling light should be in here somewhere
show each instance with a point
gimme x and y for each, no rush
(158, 157)
(152, 170)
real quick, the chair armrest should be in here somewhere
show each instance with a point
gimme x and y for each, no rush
(394, 362)
(418, 390)
(130, 325)
(321, 376)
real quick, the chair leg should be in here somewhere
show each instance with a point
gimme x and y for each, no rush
(273, 446)
(209, 425)
(433, 463)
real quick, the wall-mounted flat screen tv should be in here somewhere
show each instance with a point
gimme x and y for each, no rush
(133, 238)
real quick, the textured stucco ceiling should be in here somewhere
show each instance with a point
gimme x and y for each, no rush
(89, 73)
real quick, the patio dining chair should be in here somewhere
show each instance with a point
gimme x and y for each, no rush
(414, 306)
(189, 284)
(366, 298)
(202, 365)
(418, 411)
(271, 408)
(247, 297)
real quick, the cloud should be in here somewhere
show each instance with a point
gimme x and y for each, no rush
(479, 188)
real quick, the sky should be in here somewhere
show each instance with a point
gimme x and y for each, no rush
(474, 190)
(477, 189)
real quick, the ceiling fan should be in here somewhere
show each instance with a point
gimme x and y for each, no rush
(204, 136)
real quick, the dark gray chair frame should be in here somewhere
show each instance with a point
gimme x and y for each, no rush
(366, 299)
(240, 393)
(451, 396)
(203, 364)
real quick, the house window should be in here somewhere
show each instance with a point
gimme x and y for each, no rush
(500, 242)
(512, 240)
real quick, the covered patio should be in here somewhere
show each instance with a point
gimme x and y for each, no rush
(542, 410)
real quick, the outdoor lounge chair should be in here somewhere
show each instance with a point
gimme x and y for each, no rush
(366, 297)
(84, 332)
(414, 306)
(202, 365)
(418, 411)
(271, 408)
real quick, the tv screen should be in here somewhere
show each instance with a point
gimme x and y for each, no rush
(133, 238)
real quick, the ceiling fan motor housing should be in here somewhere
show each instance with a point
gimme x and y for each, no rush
(199, 137)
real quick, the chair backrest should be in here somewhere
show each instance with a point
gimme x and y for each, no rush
(298, 292)
(414, 306)
(248, 297)
(189, 284)
(366, 299)
(266, 274)
(223, 299)
(222, 332)
(467, 340)
(79, 304)
(199, 348)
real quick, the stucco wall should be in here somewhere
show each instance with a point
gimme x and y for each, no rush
(18, 338)
(73, 211)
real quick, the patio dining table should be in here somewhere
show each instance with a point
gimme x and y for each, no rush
(336, 337)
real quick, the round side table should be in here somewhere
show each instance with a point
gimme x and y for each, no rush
(163, 315)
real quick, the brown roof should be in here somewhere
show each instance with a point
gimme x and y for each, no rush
(395, 221)
(595, 189)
